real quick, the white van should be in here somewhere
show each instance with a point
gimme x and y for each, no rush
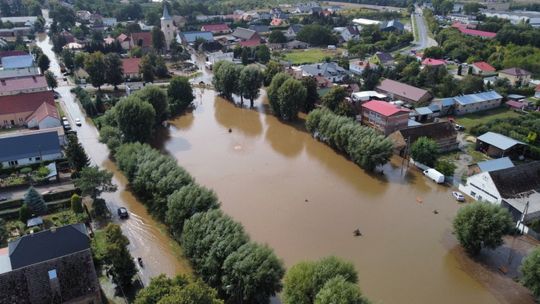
(435, 175)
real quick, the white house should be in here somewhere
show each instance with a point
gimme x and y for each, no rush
(330, 70)
(29, 148)
(220, 56)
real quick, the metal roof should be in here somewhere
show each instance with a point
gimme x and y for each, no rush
(191, 37)
(29, 145)
(423, 111)
(477, 97)
(498, 140)
(447, 102)
(495, 164)
(17, 62)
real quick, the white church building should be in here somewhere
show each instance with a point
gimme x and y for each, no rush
(167, 26)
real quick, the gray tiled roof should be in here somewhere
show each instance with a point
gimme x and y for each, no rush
(498, 140)
(31, 145)
(243, 33)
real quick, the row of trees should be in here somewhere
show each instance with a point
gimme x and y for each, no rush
(363, 145)
(217, 246)
(286, 96)
(179, 290)
(244, 81)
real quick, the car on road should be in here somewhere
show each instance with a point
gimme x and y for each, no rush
(458, 196)
(78, 122)
(123, 213)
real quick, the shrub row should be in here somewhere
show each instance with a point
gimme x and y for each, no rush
(217, 246)
(363, 145)
(17, 203)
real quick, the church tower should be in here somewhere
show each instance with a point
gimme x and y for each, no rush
(167, 26)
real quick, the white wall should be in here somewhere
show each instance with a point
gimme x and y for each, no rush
(32, 160)
(49, 122)
(19, 72)
(481, 187)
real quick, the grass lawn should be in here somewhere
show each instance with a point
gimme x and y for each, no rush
(474, 119)
(309, 55)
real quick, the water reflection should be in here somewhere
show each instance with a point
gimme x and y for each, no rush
(284, 139)
(238, 118)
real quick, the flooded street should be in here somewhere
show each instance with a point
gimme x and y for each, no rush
(304, 200)
(159, 252)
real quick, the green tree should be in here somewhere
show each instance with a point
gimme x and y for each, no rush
(160, 70)
(68, 58)
(147, 69)
(446, 167)
(262, 53)
(305, 280)
(277, 36)
(185, 202)
(245, 55)
(43, 62)
(179, 290)
(99, 209)
(114, 74)
(481, 224)
(312, 96)
(35, 201)
(75, 154)
(272, 91)
(93, 182)
(76, 203)
(94, 65)
(250, 82)
(180, 94)
(226, 78)
(51, 80)
(425, 151)
(471, 84)
(316, 34)
(339, 291)
(334, 97)
(158, 39)
(252, 274)
(118, 257)
(157, 98)
(25, 213)
(111, 136)
(530, 272)
(291, 95)
(135, 118)
(272, 68)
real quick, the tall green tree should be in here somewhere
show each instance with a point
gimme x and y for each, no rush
(250, 82)
(43, 62)
(277, 36)
(25, 213)
(158, 39)
(481, 224)
(76, 203)
(245, 55)
(114, 74)
(157, 98)
(273, 89)
(338, 291)
(147, 69)
(425, 150)
(35, 201)
(118, 257)
(180, 95)
(51, 80)
(272, 68)
(312, 96)
(291, 95)
(185, 202)
(262, 53)
(252, 274)
(75, 154)
(93, 182)
(94, 65)
(135, 118)
(334, 97)
(226, 78)
(179, 290)
(530, 269)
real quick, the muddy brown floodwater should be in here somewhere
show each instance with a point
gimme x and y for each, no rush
(304, 200)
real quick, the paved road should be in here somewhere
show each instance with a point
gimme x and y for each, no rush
(146, 240)
(423, 41)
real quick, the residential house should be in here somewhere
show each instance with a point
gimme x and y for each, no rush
(490, 165)
(131, 68)
(20, 21)
(515, 188)
(329, 70)
(15, 109)
(423, 114)
(471, 103)
(402, 91)
(260, 29)
(516, 76)
(250, 43)
(293, 30)
(307, 8)
(19, 149)
(348, 33)
(125, 41)
(83, 15)
(392, 26)
(186, 38)
(443, 133)
(109, 22)
(384, 116)
(367, 96)
(44, 117)
(434, 62)
(244, 34)
(357, 66)
(216, 29)
(381, 58)
(18, 66)
(142, 40)
(28, 84)
(483, 68)
(11, 34)
(497, 145)
(51, 266)
(464, 29)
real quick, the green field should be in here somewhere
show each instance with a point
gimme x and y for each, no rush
(309, 55)
(471, 120)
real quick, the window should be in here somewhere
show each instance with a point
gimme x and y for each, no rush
(29, 159)
(472, 193)
(38, 158)
(52, 274)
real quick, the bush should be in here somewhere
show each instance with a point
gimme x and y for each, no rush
(99, 209)
(25, 213)
(76, 203)
(424, 150)
(446, 167)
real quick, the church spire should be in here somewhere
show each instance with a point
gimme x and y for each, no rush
(166, 15)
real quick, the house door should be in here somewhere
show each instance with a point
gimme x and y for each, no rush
(12, 122)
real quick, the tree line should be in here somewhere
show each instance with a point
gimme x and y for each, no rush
(364, 146)
(244, 81)
(217, 246)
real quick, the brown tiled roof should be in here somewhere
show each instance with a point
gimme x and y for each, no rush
(516, 72)
(122, 37)
(145, 37)
(43, 111)
(17, 84)
(435, 131)
(516, 180)
(26, 102)
(402, 89)
(131, 65)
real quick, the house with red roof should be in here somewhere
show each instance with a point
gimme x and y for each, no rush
(28, 84)
(433, 62)
(125, 41)
(216, 29)
(384, 116)
(483, 68)
(131, 67)
(15, 109)
(276, 22)
(44, 117)
(250, 43)
(516, 76)
(464, 29)
(142, 40)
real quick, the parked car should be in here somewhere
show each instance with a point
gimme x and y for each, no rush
(123, 213)
(78, 122)
(434, 175)
(458, 196)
